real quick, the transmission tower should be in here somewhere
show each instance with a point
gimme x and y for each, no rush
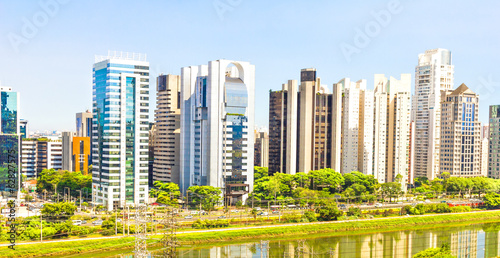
(169, 239)
(141, 249)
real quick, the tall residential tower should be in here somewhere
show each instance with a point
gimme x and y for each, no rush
(433, 74)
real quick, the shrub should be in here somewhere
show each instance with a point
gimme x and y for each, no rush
(310, 216)
(329, 213)
(354, 211)
(291, 217)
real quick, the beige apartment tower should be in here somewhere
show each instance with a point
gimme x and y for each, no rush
(166, 164)
(460, 153)
(261, 147)
(392, 128)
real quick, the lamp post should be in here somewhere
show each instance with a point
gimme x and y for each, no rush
(69, 195)
(80, 199)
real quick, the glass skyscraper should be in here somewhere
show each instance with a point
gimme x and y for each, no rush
(9, 142)
(120, 129)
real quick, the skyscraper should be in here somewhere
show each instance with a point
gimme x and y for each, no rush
(392, 128)
(75, 153)
(317, 124)
(433, 74)
(283, 129)
(357, 126)
(120, 127)
(217, 121)
(166, 164)
(261, 148)
(460, 153)
(84, 124)
(494, 143)
(10, 144)
(485, 141)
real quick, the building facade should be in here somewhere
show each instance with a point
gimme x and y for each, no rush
(166, 164)
(24, 129)
(75, 153)
(283, 129)
(392, 128)
(433, 74)
(84, 124)
(357, 127)
(38, 154)
(494, 143)
(10, 143)
(217, 121)
(460, 153)
(261, 149)
(120, 127)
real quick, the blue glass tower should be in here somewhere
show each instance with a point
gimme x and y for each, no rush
(120, 127)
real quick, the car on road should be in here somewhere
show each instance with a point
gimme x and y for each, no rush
(276, 212)
(119, 220)
(378, 205)
(221, 217)
(84, 222)
(97, 222)
(262, 213)
(257, 208)
(77, 222)
(188, 217)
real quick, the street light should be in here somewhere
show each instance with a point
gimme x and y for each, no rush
(80, 199)
(69, 193)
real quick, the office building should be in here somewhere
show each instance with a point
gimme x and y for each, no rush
(120, 127)
(485, 142)
(75, 153)
(433, 74)
(283, 129)
(357, 127)
(151, 153)
(494, 143)
(261, 148)
(166, 164)
(10, 143)
(23, 128)
(217, 121)
(460, 153)
(392, 128)
(38, 154)
(84, 124)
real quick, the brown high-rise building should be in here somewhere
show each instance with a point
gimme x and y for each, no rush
(304, 126)
(261, 149)
(166, 164)
(460, 133)
(283, 129)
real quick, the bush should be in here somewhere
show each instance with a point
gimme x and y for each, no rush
(329, 213)
(460, 209)
(310, 216)
(200, 224)
(291, 217)
(354, 211)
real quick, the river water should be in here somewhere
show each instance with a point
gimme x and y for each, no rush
(480, 240)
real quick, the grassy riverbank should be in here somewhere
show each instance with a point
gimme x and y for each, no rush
(274, 232)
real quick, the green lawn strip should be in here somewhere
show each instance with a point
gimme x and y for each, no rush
(283, 232)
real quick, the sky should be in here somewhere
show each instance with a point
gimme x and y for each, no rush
(47, 47)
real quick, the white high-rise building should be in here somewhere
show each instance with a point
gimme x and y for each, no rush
(217, 121)
(433, 74)
(120, 127)
(392, 128)
(357, 127)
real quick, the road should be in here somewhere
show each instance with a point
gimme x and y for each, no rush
(240, 228)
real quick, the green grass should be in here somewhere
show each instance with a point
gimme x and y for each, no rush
(283, 232)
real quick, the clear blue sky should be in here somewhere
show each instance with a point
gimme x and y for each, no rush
(52, 67)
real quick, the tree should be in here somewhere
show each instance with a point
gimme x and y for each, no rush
(443, 252)
(356, 177)
(254, 213)
(326, 178)
(492, 200)
(392, 189)
(329, 213)
(208, 196)
(260, 172)
(420, 181)
(28, 198)
(166, 193)
(58, 209)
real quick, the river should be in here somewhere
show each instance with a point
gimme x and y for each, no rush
(480, 240)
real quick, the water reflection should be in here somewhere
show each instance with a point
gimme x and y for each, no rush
(470, 242)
